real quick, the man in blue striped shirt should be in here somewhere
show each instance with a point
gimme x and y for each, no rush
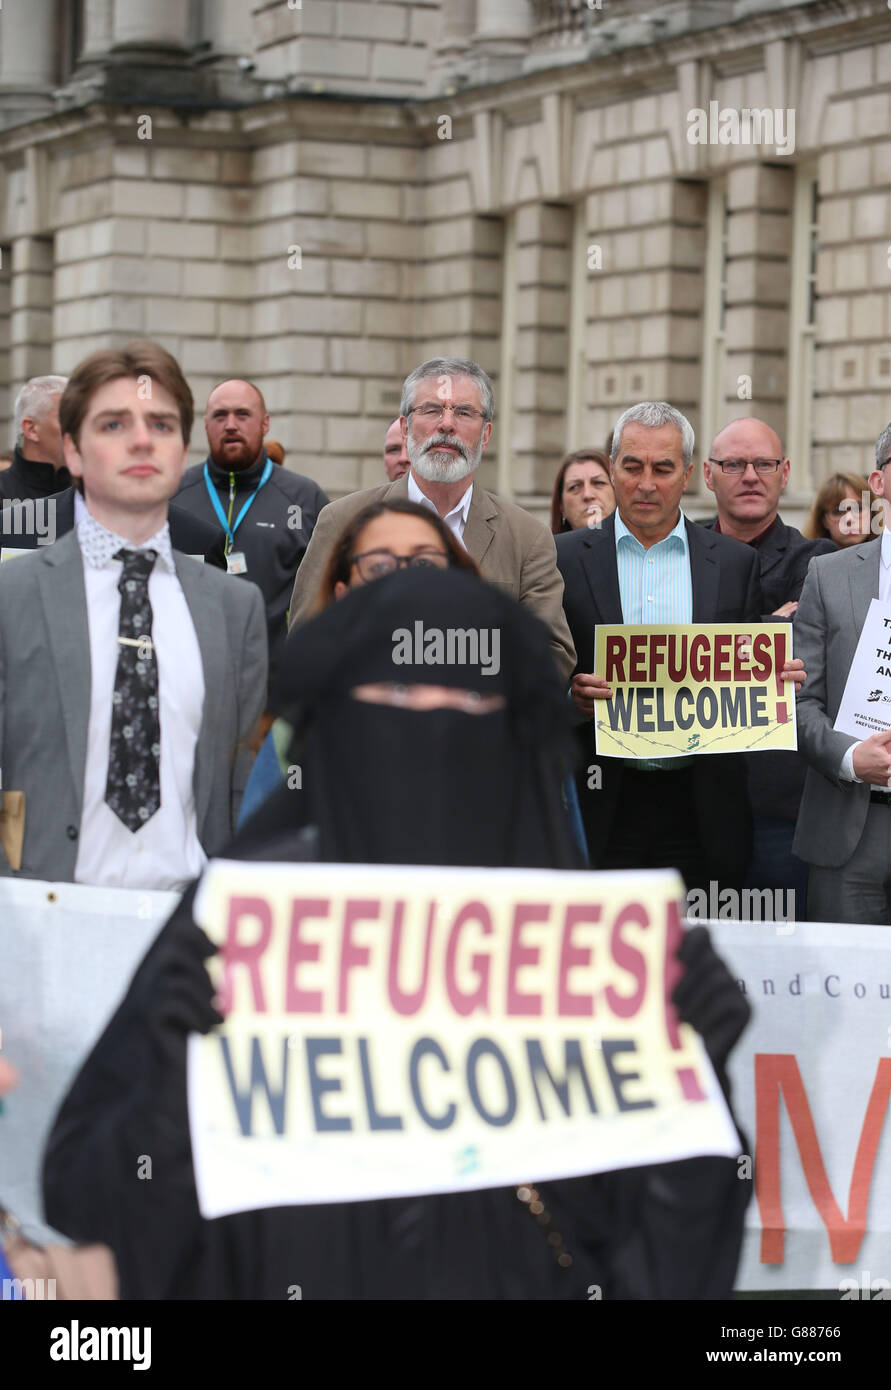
(648, 564)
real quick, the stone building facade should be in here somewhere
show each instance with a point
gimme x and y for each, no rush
(319, 195)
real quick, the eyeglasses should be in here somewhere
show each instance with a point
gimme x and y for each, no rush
(467, 414)
(374, 564)
(736, 466)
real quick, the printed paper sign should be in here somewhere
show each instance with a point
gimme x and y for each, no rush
(866, 704)
(394, 1031)
(693, 688)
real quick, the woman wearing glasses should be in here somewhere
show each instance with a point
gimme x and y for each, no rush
(384, 537)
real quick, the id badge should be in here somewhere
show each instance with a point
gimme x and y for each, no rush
(236, 562)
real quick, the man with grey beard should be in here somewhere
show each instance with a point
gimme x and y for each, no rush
(446, 423)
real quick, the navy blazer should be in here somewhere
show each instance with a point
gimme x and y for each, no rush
(726, 588)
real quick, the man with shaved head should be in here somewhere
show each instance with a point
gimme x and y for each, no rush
(747, 473)
(266, 514)
(396, 459)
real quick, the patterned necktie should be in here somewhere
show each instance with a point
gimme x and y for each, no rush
(133, 790)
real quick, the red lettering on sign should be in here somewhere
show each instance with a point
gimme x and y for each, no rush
(615, 660)
(519, 955)
(569, 1004)
(776, 1074)
(761, 653)
(630, 959)
(637, 648)
(236, 952)
(462, 1002)
(657, 654)
(403, 1001)
(351, 955)
(723, 646)
(700, 657)
(297, 1000)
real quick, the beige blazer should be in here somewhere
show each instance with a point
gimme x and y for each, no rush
(513, 550)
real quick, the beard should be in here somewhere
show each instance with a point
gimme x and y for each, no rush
(242, 454)
(439, 467)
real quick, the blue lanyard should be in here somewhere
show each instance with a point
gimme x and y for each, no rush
(218, 506)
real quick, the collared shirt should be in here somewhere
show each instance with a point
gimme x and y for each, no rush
(655, 588)
(456, 519)
(846, 771)
(655, 585)
(756, 541)
(165, 853)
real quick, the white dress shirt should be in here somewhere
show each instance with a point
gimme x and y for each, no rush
(456, 519)
(846, 771)
(165, 853)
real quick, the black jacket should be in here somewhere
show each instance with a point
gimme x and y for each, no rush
(725, 586)
(664, 1231)
(24, 528)
(776, 779)
(274, 534)
(784, 556)
(26, 478)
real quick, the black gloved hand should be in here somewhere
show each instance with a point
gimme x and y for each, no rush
(708, 997)
(182, 992)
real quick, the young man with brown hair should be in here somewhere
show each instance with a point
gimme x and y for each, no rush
(129, 672)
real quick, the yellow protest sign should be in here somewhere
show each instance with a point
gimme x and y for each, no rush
(399, 1030)
(693, 688)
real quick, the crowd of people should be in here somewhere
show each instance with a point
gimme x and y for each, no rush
(188, 635)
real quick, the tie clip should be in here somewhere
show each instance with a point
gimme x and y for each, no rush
(137, 642)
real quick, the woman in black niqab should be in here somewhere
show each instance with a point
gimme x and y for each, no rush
(385, 783)
(382, 782)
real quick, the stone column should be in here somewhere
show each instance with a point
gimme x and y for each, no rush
(27, 57)
(98, 29)
(162, 24)
(501, 41)
(229, 29)
(456, 25)
(31, 309)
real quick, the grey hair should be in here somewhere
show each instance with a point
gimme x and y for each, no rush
(883, 445)
(654, 415)
(32, 401)
(448, 366)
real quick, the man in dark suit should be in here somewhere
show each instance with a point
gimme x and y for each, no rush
(747, 473)
(648, 564)
(130, 675)
(25, 526)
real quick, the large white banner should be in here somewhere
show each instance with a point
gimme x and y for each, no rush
(67, 954)
(811, 1076)
(811, 1085)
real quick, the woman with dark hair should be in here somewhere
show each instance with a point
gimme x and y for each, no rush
(583, 493)
(367, 547)
(834, 516)
(385, 536)
(450, 765)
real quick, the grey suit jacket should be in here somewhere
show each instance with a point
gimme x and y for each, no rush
(827, 625)
(45, 696)
(515, 552)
